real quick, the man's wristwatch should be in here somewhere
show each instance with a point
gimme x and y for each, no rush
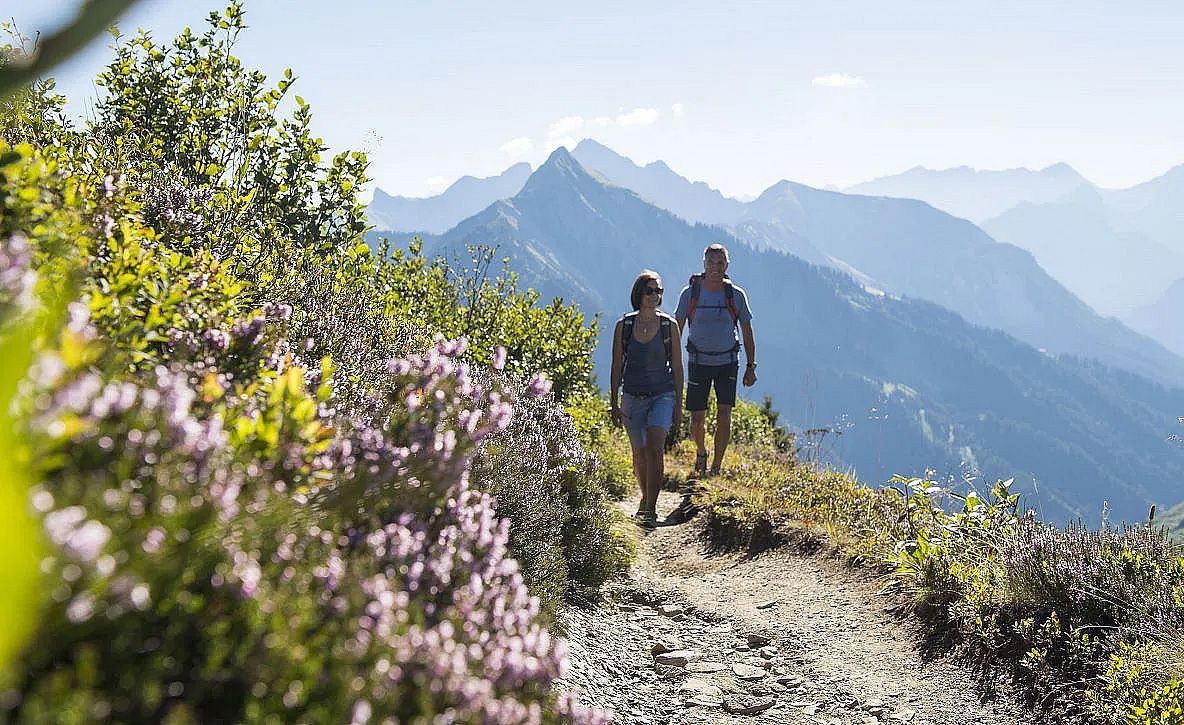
(752, 364)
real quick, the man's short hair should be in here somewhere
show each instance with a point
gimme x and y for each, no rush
(716, 248)
(639, 285)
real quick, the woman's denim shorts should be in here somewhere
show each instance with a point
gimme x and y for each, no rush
(639, 413)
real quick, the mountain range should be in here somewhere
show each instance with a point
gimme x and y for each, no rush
(906, 247)
(975, 194)
(464, 197)
(1117, 249)
(904, 384)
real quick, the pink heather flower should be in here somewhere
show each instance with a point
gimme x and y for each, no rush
(79, 319)
(153, 541)
(61, 524)
(276, 312)
(17, 277)
(218, 340)
(361, 713)
(87, 541)
(500, 415)
(140, 597)
(81, 608)
(249, 576)
(538, 386)
(499, 358)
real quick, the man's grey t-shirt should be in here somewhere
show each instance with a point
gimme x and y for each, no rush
(711, 330)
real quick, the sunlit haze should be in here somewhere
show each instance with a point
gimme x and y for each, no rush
(739, 96)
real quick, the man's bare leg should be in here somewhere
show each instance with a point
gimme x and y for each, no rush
(723, 435)
(699, 432)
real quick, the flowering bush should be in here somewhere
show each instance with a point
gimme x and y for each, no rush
(564, 529)
(253, 461)
(258, 567)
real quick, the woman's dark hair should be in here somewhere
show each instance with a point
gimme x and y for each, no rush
(639, 285)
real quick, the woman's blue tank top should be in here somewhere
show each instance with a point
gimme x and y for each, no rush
(647, 371)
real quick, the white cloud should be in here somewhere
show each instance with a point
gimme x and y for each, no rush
(565, 126)
(838, 80)
(518, 147)
(437, 183)
(678, 109)
(638, 117)
(567, 131)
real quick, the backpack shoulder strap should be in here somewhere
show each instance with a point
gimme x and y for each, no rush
(627, 321)
(730, 298)
(695, 282)
(667, 337)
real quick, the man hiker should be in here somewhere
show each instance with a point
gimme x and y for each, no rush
(715, 309)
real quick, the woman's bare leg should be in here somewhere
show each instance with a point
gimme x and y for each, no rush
(641, 471)
(655, 441)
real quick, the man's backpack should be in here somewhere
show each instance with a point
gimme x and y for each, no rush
(696, 283)
(627, 333)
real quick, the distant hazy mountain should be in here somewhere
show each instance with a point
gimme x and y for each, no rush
(906, 247)
(1115, 249)
(1163, 319)
(973, 194)
(467, 196)
(694, 201)
(1154, 208)
(909, 384)
(1082, 244)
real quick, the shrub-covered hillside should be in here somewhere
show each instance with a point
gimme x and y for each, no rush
(252, 471)
(1088, 622)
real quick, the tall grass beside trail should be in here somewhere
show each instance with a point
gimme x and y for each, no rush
(264, 474)
(1090, 623)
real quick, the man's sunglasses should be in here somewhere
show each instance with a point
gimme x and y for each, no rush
(653, 290)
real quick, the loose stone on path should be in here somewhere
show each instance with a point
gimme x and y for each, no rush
(747, 704)
(748, 672)
(678, 657)
(666, 644)
(701, 692)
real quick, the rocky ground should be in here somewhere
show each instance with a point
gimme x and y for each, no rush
(780, 637)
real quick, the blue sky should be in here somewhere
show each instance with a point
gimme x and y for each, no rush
(738, 95)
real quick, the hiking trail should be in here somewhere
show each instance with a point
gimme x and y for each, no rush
(777, 637)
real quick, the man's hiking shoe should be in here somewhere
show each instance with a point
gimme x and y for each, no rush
(645, 519)
(713, 473)
(700, 464)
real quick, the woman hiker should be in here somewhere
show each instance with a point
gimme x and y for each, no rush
(647, 363)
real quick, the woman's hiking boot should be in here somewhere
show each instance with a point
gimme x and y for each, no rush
(700, 464)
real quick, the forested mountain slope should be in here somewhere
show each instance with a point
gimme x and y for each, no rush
(907, 384)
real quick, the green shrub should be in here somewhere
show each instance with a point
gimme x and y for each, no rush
(751, 424)
(564, 530)
(253, 447)
(610, 447)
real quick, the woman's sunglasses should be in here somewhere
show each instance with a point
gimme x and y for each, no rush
(653, 290)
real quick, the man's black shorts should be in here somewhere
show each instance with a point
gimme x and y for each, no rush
(700, 378)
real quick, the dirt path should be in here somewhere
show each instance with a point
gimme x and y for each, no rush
(784, 637)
